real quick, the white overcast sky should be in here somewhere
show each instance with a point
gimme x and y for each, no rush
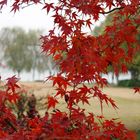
(32, 17)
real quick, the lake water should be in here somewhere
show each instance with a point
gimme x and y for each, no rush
(24, 76)
(4, 73)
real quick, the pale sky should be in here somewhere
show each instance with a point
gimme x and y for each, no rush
(32, 17)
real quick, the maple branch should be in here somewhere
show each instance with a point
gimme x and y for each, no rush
(119, 8)
(27, 5)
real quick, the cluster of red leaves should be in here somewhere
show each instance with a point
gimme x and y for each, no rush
(74, 125)
(81, 58)
(8, 93)
(87, 55)
(58, 125)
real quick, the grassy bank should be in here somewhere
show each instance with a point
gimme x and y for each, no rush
(127, 102)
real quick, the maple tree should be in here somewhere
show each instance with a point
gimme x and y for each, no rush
(133, 67)
(81, 58)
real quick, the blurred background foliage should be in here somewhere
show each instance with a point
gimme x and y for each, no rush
(134, 67)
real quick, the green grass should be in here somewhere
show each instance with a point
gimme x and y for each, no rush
(128, 112)
(127, 102)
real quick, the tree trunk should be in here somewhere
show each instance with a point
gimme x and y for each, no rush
(33, 74)
(18, 73)
(112, 77)
(117, 78)
(34, 67)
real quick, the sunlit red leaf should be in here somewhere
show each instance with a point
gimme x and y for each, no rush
(12, 83)
(48, 7)
(88, 23)
(137, 90)
(51, 102)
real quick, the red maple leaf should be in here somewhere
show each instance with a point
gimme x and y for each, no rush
(51, 102)
(12, 83)
(48, 7)
(60, 81)
(88, 23)
(137, 89)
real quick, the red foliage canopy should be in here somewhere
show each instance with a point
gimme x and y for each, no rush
(81, 58)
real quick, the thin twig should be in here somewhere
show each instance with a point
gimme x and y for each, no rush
(119, 8)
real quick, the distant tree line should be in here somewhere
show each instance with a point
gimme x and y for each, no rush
(20, 51)
(133, 67)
